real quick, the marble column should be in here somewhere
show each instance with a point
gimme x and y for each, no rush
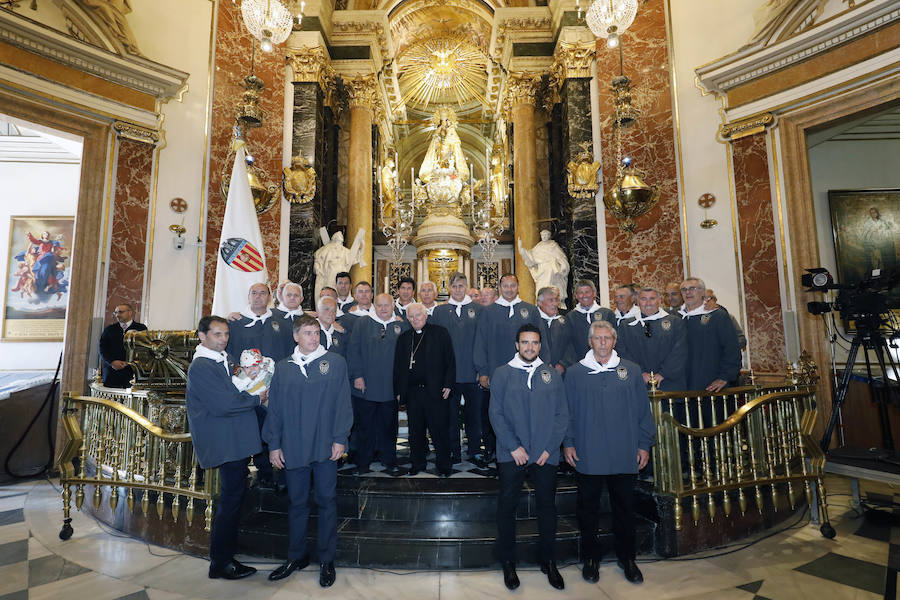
(313, 85)
(521, 95)
(573, 69)
(363, 99)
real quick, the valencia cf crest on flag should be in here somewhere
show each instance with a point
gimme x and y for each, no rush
(240, 254)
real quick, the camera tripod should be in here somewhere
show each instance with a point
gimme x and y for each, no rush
(869, 336)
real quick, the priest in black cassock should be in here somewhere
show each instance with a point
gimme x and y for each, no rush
(306, 429)
(424, 373)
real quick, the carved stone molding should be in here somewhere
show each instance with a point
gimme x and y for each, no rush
(572, 61)
(521, 88)
(310, 64)
(749, 126)
(362, 27)
(508, 26)
(135, 132)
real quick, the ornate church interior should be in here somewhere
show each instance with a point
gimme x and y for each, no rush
(751, 144)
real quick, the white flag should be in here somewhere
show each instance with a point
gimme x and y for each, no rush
(241, 261)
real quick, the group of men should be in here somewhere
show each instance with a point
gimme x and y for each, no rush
(538, 388)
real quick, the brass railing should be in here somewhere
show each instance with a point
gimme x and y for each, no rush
(116, 447)
(736, 444)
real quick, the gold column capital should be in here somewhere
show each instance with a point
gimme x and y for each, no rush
(362, 91)
(521, 88)
(572, 61)
(748, 126)
(310, 64)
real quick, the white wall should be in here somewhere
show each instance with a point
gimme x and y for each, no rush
(33, 189)
(703, 31)
(170, 295)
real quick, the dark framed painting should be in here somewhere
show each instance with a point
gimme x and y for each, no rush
(866, 228)
(37, 278)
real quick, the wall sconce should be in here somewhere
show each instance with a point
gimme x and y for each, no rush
(705, 201)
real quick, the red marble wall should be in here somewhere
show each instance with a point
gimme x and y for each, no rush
(129, 225)
(759, 261)
(232, 64)
(652, 256)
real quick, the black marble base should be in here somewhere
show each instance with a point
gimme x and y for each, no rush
(423, 523)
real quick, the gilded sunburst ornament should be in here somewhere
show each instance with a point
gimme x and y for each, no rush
(443, 70)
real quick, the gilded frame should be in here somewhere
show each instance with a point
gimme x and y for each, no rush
(38, 272)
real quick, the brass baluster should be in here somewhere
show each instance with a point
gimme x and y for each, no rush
(695, 502)
(739, 466)
(208, 513)
(101, 453)
(803, 466)
(145, 470)
(714, 462)
(114, 459)
(85, 442)
(752, 441)
(176, 503)
(770, 454)
(706, 458)
(192, 483)
(786, 443)
(161, 482)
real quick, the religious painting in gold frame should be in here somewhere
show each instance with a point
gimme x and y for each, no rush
(37, 278)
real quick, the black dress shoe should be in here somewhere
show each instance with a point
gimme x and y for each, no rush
(394, 471)
(234, 570)
(510, 579)
(553, 576)
(444, 474)
(591, 570)
(361, 470)
(412, 472)
(632, 573)
(326, 574)
(289, 567)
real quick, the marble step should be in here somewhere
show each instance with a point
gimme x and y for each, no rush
(425, 544)
(410, 499)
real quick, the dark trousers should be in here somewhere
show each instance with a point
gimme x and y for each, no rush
(376, 430)
(543, 478)
(487, 432)
(472, 395)
(227, 513)
(427, 411)
(324, 477)
(621, 499)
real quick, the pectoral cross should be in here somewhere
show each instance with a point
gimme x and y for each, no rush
(412, 361)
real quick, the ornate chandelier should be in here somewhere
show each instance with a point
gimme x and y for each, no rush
(271, 21)
(608, 19)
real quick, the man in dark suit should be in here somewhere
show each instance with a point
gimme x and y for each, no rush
(225, 434)
(116, 372)
(424, 373)
(556, 343)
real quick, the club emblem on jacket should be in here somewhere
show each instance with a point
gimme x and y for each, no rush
(323, 367)
(622, 372)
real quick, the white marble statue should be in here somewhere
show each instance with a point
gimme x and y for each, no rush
(547, 264)
(333, 257)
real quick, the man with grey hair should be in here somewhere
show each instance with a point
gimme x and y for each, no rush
(427, 296)
(290, 297)
(655, 341)
(608, 441)
(713, 355)
(556, 345)
(424, 370)
(332, 334)
(459, 316)
(625, 297)
(586, 312)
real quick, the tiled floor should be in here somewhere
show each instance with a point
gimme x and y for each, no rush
(99, 564)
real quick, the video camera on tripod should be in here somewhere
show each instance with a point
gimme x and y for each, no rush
(866, 303)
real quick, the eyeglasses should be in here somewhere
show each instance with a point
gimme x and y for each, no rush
(647, 331)
(693, 288)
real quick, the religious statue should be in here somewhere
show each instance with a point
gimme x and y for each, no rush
(445, 148)
(333, 257)
(498, 183)
(388, 189)
(547, 264)
(110, 15)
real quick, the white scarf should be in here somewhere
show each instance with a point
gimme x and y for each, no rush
(547, 317)
(288, 313)
(344, 302)
(339, 313)
(400, 307)
(591, 363)
(328, 333)
(203, 352)
(504, 302)
(301, 360)
(700, 310)
(255, 317)
(640, 319)
(634, 311)
(459, 305)
(530, 368)
(588, 311)
(429, 311)
(374, 316)
(360, 312)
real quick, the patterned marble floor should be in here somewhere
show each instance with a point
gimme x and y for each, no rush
(101, 564)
